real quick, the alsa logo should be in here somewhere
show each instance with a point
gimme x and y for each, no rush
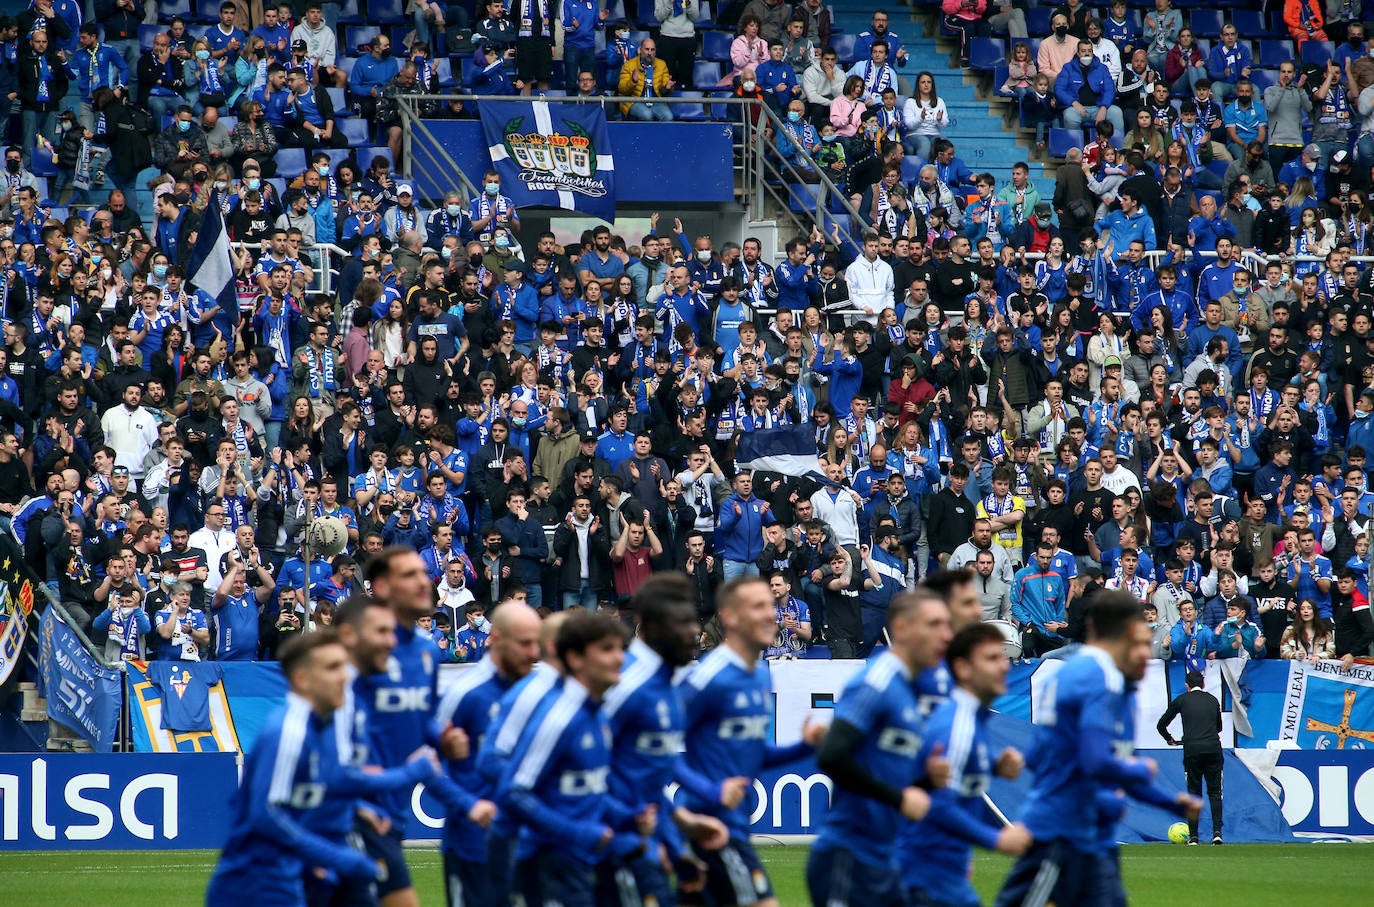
(81, 800)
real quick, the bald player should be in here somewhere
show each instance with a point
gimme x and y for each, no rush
(512, 652)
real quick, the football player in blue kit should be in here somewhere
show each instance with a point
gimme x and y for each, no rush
(726, 704)
(1081, 749)
(286, 777)
(936, 854)
(399, 704)
(645, 714)
(512, 651)
(556, 781)
(872, 753)
(933, 685)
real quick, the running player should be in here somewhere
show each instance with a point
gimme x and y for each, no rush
(871, 753)
(725, 698)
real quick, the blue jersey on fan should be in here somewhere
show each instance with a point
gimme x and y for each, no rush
(469, 704)
(880, 701)
(399, 706)
(236, 627)
(936, 851)
(1080, 748)
(556, 781)
(286, 777)
(725, 702)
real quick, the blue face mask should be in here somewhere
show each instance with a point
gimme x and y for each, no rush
(97, 259)
(502, 242)
(829, 138)
(322, 169)
(793, 116)
(493, 188)
(159, 271)
(202, 55)
(454, 210)
(517, 422)
(183, 125)
(254, 183)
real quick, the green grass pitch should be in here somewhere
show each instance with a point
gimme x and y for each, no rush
(1156, 875)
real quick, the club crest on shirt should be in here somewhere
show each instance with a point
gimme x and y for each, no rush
(180, 680)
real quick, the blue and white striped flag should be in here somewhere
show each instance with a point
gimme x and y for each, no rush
(788, 449)
(211, 267)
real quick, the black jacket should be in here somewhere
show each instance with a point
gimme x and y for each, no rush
(951, 521)
(29, 79)
(1201, 722)
(565, 548)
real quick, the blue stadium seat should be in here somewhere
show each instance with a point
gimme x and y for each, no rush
(386, 12)
(229, 123)
(803, 198)
(844, 47)
(169, 9)
(646, 17)
(146, 34)
(339, 98)
(349, 14)
(1273, 51)
(337, 156)
(345, 63)
(1318, 52)
(715, 45)
(443, 71)
(999, 78)
(291, 162)
(366, 154)
(355, 36)
(1038, 21)
(1206, 23)
(208, 10)
(637, 37)
(357, 131)
(615, 10)
(690, 113)
(701, 15)
(986, 53)
(911, 168)
(1250, 23)
(1061, 140)
(1263, 78)
(706, 75)
(42, 165)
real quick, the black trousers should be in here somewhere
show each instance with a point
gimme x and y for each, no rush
(1199, 767)
(679, 55)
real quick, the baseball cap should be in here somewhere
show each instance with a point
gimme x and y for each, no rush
(1340, 157)
(588, 436)
(883, 532)
(299, 44)
(1110, 361)
(405, 189)
(1043, 209)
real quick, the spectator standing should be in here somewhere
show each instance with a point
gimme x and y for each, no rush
(1202, 754)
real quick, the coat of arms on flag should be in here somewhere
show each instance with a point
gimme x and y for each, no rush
(1327, 707)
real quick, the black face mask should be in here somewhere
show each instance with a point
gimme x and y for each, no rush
(1060, 31)
(494, 549)
(13, 166)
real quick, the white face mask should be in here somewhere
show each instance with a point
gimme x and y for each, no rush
(748, 85)
(481, 623)
(703, 255)
(1085, 59)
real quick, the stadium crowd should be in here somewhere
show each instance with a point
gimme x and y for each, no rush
(1137, 384)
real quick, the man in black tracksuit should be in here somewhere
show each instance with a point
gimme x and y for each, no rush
(1202, 754)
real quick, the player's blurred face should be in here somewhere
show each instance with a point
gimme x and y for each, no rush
(984, 674)
(326, 677)
(752, 617)
(1137, 655)
(598, 668)
(964, 606)
(372, 640)
(514, 642)
(926, 634)
(674, 636)
(405, 587)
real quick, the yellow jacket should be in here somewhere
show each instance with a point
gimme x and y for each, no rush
(632, 80)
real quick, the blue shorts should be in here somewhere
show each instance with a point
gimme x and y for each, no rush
(554, 879)
(465, 882)
(1052, 872)
(1110, 886)
(500, 866)
(389, 850)
(260, 890)
(734, 875)
(329, 892)
(920, 897)
(836, 879)
(633, 882)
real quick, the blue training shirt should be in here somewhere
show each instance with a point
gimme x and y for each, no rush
(1079, 749)
(469, 704)
(881, 702)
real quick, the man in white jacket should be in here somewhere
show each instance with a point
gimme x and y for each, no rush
(870, 279)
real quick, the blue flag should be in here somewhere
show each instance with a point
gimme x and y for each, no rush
(552, 155)
(1327, 707)
(82, 694)
(211, 266)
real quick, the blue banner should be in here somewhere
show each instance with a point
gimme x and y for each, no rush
(81, 693)
(76, 801)
(684, 182)
(1325, 794)
(1328, 707)
(552, 155)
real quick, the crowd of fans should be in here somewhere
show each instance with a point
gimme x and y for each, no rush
(994, 381)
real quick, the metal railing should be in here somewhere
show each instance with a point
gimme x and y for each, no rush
(761, 174)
